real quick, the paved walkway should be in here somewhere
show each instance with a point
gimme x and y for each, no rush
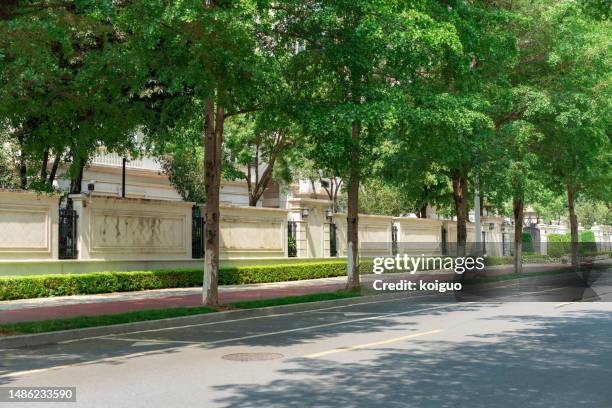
(103, 304)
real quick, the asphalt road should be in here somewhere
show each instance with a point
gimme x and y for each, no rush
(412, 352)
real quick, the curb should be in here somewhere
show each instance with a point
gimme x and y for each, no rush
(40, 339)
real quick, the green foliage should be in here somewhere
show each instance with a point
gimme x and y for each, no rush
(184, 168)
(8, 175)
(558, 245)
(376, 197)
(90, 283)
(292, 246)
(526, 259)
(63, 83)
(280, 272)
(289, 300)
(106, 282)
(499, 260)
(82, 322)
(587, 242)
(591, 212)
(527, 242)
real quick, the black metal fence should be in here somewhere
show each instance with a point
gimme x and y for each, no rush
(292, 239)
(67, 234)
(198, 224)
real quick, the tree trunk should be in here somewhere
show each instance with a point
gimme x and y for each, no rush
(517, 209)
(352, 218)
(460, 198)
(43, 167)
(573, 225)
(423, 212)
(213, 137)
(77, 179)
(54, 168)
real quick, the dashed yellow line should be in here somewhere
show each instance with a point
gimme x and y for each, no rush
(374, 344)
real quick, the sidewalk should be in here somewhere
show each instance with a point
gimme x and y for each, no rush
(112, 303)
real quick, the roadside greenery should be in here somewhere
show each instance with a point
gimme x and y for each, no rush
(82, 322)
(26, 287)
(418, 100)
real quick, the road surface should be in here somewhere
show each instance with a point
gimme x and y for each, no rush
(522, 350)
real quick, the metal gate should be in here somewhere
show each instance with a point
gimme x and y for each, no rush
(67, 233)
(198, 229)
(291, 239)
(333, 249)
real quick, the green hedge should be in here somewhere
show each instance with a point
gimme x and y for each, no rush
(280, 272)
(27, 287)
(499, 260)
(558, 245)
(527, 258)
(100, 282)
(587, 242)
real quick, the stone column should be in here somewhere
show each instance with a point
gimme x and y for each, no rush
(80, 204)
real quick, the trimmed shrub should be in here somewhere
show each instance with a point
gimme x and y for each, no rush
(538, 258)
(26, 287)
(587, 242)
(558, 245)
(499, 260)
(280, 272)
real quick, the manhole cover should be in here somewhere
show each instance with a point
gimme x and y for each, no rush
(252, 356)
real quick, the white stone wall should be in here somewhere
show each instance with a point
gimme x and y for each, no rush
(253, 232)
(374, 235)
(495, 239)
(130, 228)
(416, 236)
(28, 225)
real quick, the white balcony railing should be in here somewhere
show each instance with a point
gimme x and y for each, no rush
(116, 160)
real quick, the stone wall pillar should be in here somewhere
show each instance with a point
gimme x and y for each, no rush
(83, 233)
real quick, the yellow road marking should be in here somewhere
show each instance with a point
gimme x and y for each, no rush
(368, 345)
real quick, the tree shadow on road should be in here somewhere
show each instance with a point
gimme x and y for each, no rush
(269, 331)
(549, 362)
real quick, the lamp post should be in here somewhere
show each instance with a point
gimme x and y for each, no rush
(123, 177)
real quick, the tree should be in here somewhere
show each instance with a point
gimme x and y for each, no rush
(577, 140)
(199, 62)
(353, 59)
(591, 212)
(376, 197)
(61, 89)
(258, 144)
(450, 123)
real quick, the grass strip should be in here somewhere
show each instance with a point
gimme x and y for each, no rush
(81, 322)
(315, 297)
(524, 275)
